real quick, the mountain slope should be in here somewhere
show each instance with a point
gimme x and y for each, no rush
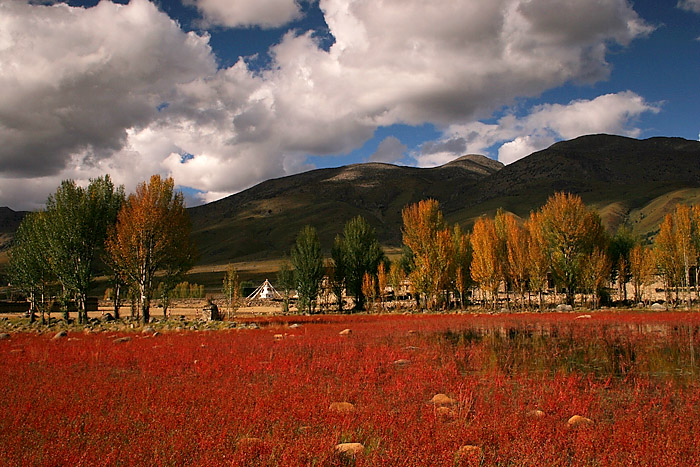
(263, 221)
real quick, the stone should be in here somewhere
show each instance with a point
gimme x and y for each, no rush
(108, 317)
(584, 317)
(578, 420)
(211, 312)
(279, 337)
(401, 362)
(564, 308)
(4, 336)
(341, 407)
(469, 452)
(536, 413)
(60, 335)
(119, 340)
(657, 307)
(148, 330)
(349, 449)
(345, 332)
(442, 400)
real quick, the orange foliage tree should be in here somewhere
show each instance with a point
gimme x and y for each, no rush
(641, 269)
(538, 263)
(572, 231)
(517, 255)
(426, 234)
(152, 233)
(486, 266)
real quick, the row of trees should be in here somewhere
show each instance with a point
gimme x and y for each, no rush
(133, 236)
(563, 244)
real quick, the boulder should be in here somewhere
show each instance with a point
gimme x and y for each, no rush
(401, 362)
(345, 332)
(148, 330)
(563, 307)
(60, 334)
(349, 449)
(469, 452)
(657, 307)
(442, 400)
(279, 337)
(578, 420)
(119, 340)
(341, 407)
(584, 317)
(536, 413)
(4, 336)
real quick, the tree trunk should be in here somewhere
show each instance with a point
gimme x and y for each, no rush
(117, 300)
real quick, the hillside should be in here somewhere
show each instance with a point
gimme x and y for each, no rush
(263, 221)
(9, 221)
(629, 181)
(619, 176)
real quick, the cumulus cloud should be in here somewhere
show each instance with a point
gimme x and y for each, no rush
(690, 5)
(541, 127)
(390, 150)
(237, 13)
(122, 89)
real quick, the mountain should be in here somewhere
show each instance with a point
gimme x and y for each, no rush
(9, 221)
(627, 180)
(619, 176)
(263, 221)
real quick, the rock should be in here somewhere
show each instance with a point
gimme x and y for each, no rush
(578, 420)
(248, 441)
(148, 330)
(279, 337)
(156, 334)
(469, 452)
(60, 335)
(345, 332)
(584, 317)
(536, 413)
(401, 362)
(445, 413)
(211, 312)
(294, 326)
(564, 308)
(4, 336)
(349, 449)
(108, 317)
(341, 407)
(442, 400)
(657, 307)
(119, 340)
(411, 332)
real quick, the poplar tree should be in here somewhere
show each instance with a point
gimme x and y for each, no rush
(152, 234)
(308, 267)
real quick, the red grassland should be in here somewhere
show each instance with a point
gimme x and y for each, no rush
(249, 397)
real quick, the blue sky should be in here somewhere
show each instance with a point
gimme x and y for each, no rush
(222, 95)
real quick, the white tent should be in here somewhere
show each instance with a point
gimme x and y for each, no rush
(265, 292)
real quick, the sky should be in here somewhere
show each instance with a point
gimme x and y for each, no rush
(224, 94)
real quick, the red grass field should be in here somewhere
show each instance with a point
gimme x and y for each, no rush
(247, 397)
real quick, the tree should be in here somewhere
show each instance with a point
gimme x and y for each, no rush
(572, 232)
(517, 255)
(429, 239)
(355, 253)
(462, 257)
(152, 234)
(285, 282)
(485, 268)
(77, 220)
(308, 267)
(538, 257)
(28, 269)
(369, 289)
(382, 282)
(396, 277)
(641, 269)
(620, 246)
(594, 274)
(231, 287)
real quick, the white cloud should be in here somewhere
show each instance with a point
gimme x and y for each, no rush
(237, 13)
(81, 90)
(690, 5)
(390, 150)
(545, 124)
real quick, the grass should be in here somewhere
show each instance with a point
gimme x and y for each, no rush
(251, 397)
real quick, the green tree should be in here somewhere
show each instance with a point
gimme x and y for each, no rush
(28, 269)
(77, 221)
(308, 267)
(619, 253)
(231, 287)
(285, 283)
(357, 252)
(152, 234)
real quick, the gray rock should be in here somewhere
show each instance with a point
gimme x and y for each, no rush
(119, 340)
(4, 336)
(60, 334)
